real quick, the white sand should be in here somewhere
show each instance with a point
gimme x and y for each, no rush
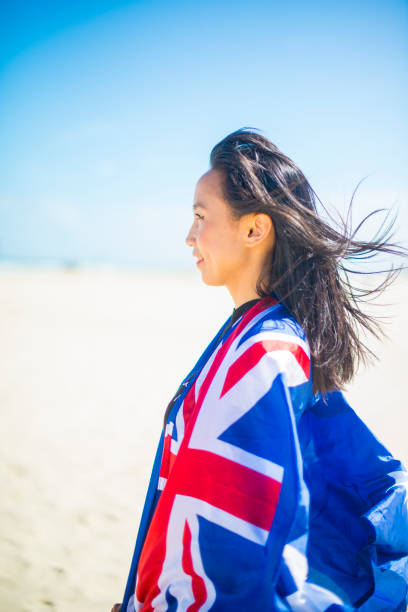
(90, 359)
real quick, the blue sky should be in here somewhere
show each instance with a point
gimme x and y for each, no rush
(109, 110)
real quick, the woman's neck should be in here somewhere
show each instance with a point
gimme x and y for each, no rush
(243, 296)
(242, 287)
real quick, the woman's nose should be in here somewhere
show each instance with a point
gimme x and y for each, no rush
(190, 238)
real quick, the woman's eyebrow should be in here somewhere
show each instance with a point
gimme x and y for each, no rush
(198, 205)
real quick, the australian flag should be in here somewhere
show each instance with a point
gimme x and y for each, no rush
(265, 496)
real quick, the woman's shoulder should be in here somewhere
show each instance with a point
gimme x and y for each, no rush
(276, 341)
(276, 320)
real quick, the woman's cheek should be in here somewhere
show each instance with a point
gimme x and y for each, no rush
(200, 236)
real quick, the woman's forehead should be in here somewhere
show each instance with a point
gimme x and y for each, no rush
(210, 183)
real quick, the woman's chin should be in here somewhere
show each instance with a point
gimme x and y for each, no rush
(211, 282)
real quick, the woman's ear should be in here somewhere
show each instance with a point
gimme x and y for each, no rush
(259, 228)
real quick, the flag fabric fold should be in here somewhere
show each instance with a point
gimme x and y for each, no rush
(265, 496)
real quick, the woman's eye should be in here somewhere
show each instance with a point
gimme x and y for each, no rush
(200, 217)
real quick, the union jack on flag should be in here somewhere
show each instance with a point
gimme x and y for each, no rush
(225, 521)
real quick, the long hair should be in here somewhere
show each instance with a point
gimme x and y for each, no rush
(307, 270)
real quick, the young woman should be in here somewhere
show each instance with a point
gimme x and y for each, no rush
(267, 492)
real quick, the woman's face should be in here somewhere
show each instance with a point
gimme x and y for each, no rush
(216, 237)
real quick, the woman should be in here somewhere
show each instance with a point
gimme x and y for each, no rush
(268, 492)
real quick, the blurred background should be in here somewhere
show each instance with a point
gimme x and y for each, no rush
(108, 113)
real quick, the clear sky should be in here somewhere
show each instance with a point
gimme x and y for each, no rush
(109, 110)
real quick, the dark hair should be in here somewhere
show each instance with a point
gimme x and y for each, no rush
(307, 270)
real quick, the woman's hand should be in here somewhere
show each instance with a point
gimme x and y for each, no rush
(116, 608)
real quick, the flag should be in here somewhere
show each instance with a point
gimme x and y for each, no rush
(255, 500)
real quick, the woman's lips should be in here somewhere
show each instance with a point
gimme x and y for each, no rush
(199, 261)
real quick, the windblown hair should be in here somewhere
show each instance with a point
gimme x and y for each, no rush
(307, 270)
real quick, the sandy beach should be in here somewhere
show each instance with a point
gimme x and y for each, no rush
(89, 361)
